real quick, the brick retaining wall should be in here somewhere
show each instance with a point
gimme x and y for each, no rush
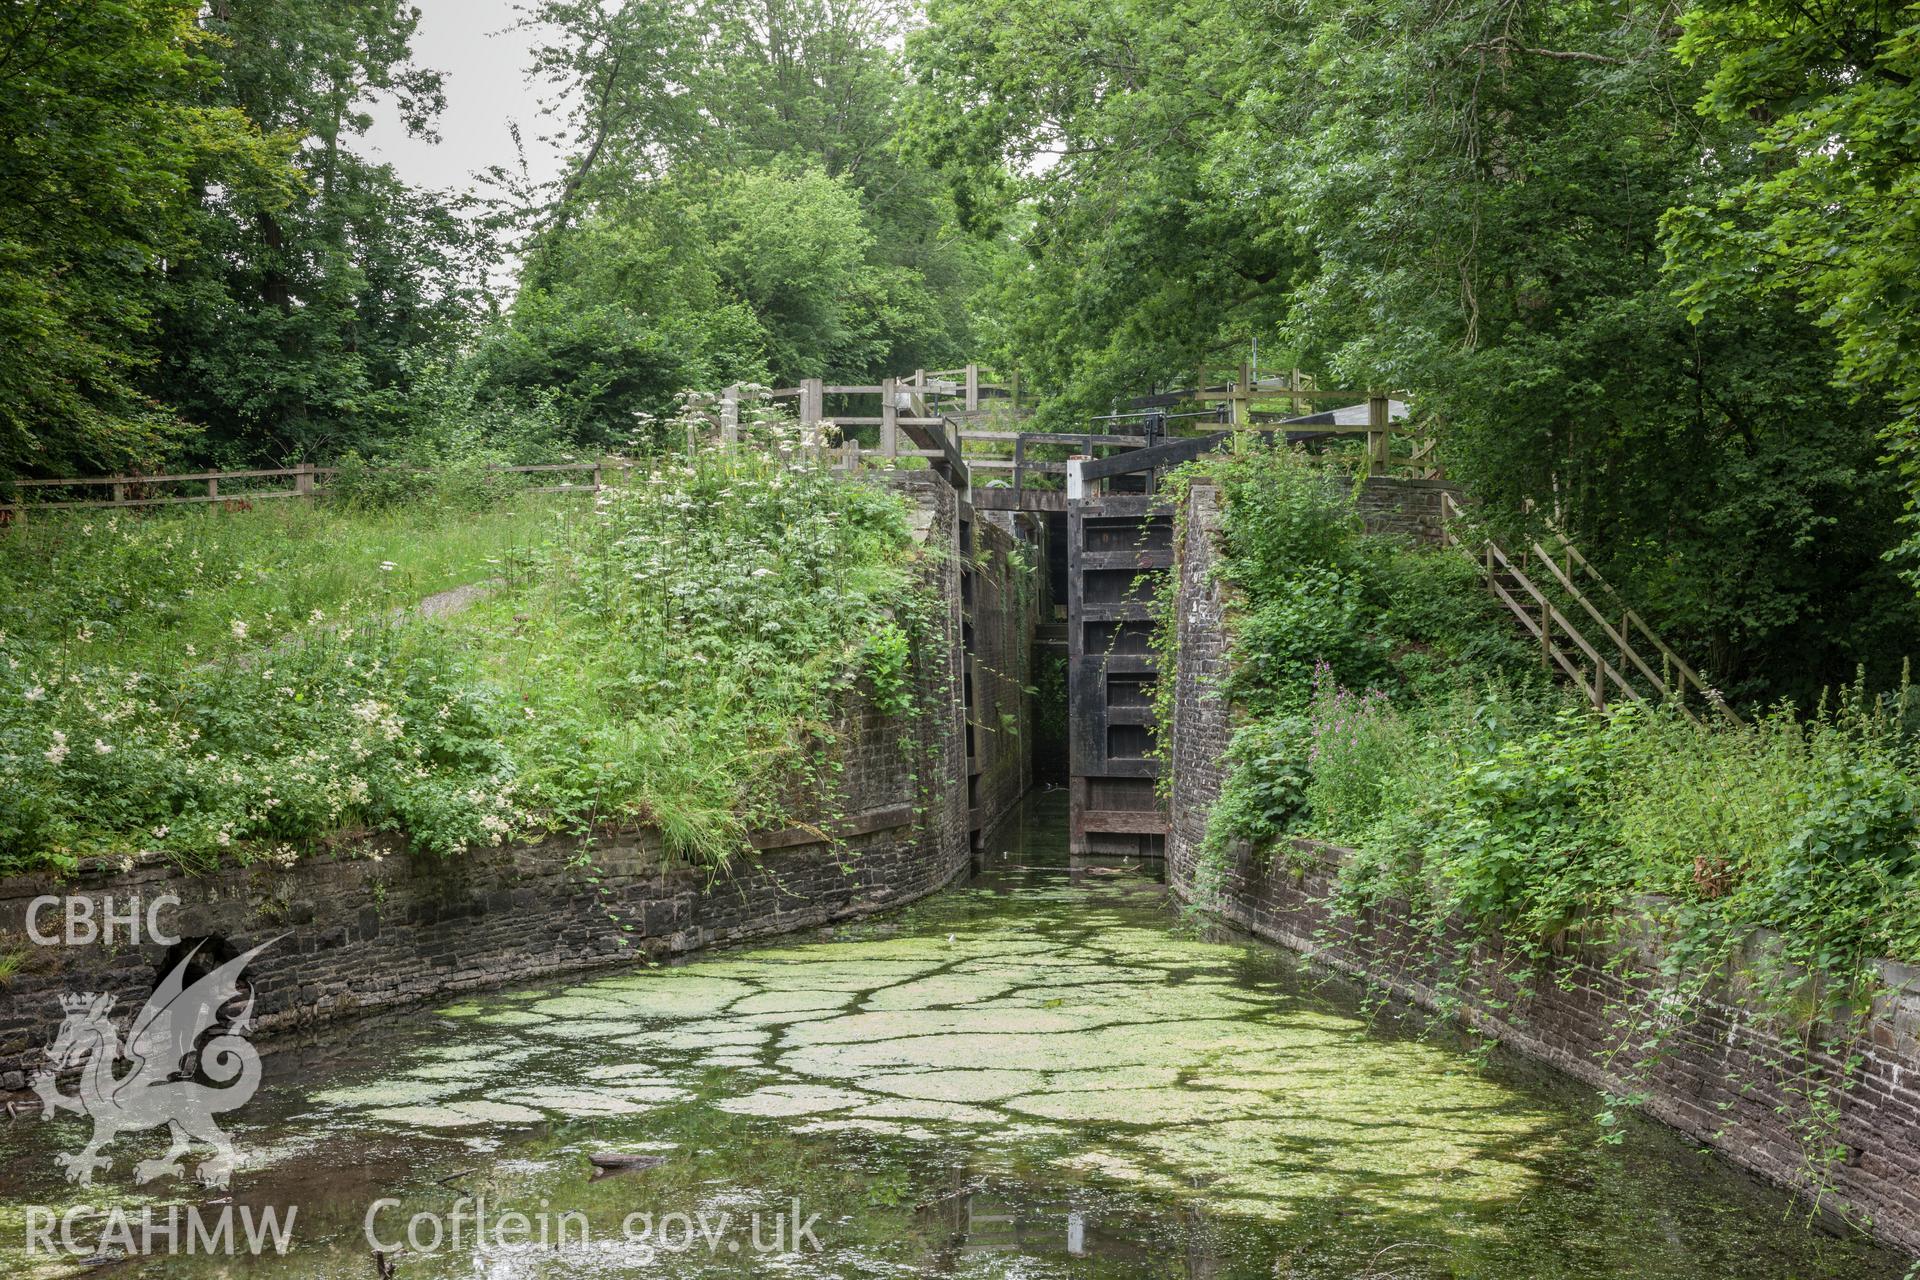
(1721, 1076)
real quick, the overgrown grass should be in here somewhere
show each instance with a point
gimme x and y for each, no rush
(249, 684)
(1390, 708)
(171, 585)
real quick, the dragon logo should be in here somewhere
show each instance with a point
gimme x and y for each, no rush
(159, 1088)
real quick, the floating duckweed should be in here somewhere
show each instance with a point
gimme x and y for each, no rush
(987, 1085)
(792, 1001)
(792, 1100)
(497, 1112)
(618, 1071)
(580, 1102)
(928, 1109)
(390, 1093)
(939, 989)
(1142, 1106)
(423, 1117)
(449, 1071)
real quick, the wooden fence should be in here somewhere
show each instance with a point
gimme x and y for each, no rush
(955, 421)
(922, 417)
(304, 481)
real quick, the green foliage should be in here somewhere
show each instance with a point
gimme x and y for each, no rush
(678, 655)
(791, 245)
(889, 669)
(1816, 205)
(370, 726)
(1265, 791)
(1522, 845)
(105, 128)
(760, 224)
(249, 684)
(1322, 610)
(1322, 602)
(1089, 132)
(1467, 202)
(294, 327)
(1386, 708)
(1389, 707)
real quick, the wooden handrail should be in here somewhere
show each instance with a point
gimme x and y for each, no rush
(1619, 639)
(1605, 672)
(1601, 666)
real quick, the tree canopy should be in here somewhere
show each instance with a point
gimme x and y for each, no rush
(1572, 231)
(1646, 266)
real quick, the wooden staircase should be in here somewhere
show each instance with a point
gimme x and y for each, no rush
(1610, 653)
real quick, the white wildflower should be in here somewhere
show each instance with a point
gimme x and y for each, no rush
(35, 694)
(58, 751)
(239, 629)
(101, 748)
(388, 566)
(160, 832)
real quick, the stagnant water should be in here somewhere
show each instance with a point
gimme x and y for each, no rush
(1041, 1073)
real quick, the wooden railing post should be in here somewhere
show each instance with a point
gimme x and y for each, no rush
(812, 400)
(303, 479)
(973, 387)
(889, 419)
(119, 490)
(1379, 420)
(213, 488)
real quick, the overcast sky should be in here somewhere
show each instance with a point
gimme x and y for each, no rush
(472, 44)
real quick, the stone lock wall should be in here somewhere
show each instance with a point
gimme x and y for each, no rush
(999, 605)
(364, 932)
(1724, 1075)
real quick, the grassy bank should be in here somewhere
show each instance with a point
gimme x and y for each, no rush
(1389, 707)
(248, 684)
